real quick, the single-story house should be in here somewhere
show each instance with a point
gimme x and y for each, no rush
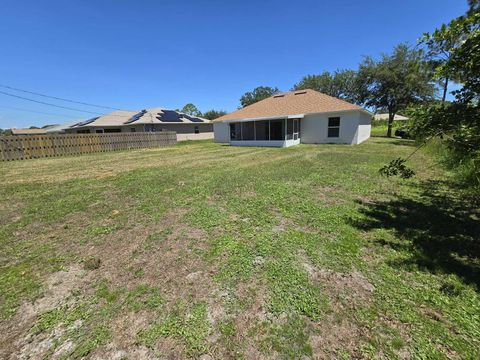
(33, 131)
(45, 130)
(157, 119)
(285, 119)
(397, 117)
(59, 128)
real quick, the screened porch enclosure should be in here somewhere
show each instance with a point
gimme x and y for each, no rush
(276, 132)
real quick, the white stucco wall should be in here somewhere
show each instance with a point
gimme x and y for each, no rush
(355, 128)
(364, 127)
(221, 132)
(314, 128)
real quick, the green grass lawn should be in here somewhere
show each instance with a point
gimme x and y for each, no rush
(235, 252)
(380, 127)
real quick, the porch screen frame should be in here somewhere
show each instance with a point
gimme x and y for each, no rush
(238, 128)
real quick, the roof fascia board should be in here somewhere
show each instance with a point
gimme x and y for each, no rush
(265, 118)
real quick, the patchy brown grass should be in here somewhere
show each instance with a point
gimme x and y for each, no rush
(207, 251)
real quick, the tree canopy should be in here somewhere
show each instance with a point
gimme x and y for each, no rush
(259, 93)
(213, 114)
(457, 122)
(191, 109)
(440, 45)
(396, 81)
(342, 84)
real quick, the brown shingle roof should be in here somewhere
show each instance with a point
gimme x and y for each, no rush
(291, 103)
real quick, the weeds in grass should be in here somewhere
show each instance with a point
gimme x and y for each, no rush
(292, 291)
(98, 336)
(101, 230)
(16, 283)
(289, 339)
(187, 324)
(91, 263)
(263, 214)
(144, 297)
(95, 313)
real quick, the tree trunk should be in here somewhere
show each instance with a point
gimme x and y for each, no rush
(391, 116)
(445, 88)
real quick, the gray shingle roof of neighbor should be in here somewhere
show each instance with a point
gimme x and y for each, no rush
(60, 128)
(146, 116)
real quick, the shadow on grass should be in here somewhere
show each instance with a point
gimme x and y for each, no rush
(440, 230)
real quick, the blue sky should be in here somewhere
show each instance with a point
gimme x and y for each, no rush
(140, 54)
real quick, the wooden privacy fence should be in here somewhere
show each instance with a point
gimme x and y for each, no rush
(40, 146)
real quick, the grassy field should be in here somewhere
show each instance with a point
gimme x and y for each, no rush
(380, 127)
(234, 252)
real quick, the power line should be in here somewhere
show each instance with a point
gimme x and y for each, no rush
(36, 112)
(59, 106)
(57, 98)
(49, 104)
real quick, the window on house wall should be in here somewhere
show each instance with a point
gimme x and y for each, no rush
(333, 127)
(133, 130)
(150, 128)
(99, 131)
(85, 131)
(112, 130)
(235, 131)
(261, 130)
(197, 130)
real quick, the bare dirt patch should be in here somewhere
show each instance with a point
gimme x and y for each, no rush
(243, 308)
(17, 340)
(334, 334)
(351, 288)
(167, 253)
(338, 332)
(162, 255)
(124, 338)
(328, 195)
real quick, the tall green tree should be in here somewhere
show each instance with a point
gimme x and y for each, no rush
(191, 109)
(474, 7)
(396, 81)
(440, 45)
(464, 63)
(213, 114)
(458, 122)
(259, 93)
(343, 84)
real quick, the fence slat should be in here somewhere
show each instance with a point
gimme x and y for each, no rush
(32, 147)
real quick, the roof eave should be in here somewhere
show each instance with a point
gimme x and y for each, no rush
(279, 117)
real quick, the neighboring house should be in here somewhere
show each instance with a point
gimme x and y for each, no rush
(29, 131)
(187, 127)
(304, 116)
(58, 129)
(385, 117)
(45, 130)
